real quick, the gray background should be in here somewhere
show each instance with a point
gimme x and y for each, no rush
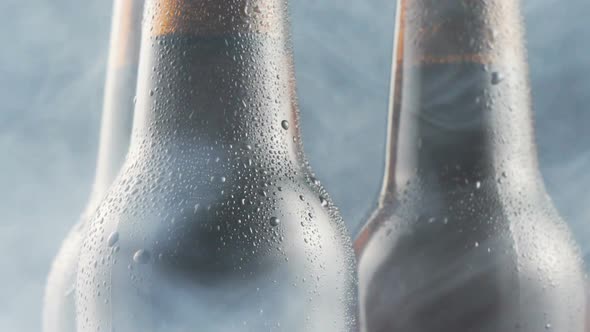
(51, 78)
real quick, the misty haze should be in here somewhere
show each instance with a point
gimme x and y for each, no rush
(52, 72)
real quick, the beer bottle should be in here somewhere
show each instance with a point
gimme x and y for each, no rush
(465, 237)
(216, 222)
(59, 310)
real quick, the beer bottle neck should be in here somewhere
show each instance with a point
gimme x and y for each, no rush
(216, 73)
(460, 109)
(119, 92)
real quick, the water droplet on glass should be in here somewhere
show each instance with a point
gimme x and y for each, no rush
(113, 238)
(323, 201)
(497, 78)
(141, 256)
(246, 8)
(285, 124)
(274, 221)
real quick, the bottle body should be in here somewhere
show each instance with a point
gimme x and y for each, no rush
(216, 222)
(59, 311)
(465, 237)
(214, 255)
(479, 257)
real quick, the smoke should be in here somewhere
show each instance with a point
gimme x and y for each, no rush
(559, 78)
(52, 72)
(343, 60)
(51, 80)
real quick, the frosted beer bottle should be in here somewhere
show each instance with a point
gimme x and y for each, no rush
(58, 308)
(216, 222)
(465, 237)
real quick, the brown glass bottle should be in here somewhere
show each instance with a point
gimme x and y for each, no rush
(216, 222)
(465, 237)
(59, 309)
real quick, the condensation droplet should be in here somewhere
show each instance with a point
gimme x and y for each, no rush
(113, 238)
(285, 124)
(274, 221)
(497, 78)
(141, 256)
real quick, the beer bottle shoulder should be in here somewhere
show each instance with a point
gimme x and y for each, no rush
(451, 256)
(220, 234)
